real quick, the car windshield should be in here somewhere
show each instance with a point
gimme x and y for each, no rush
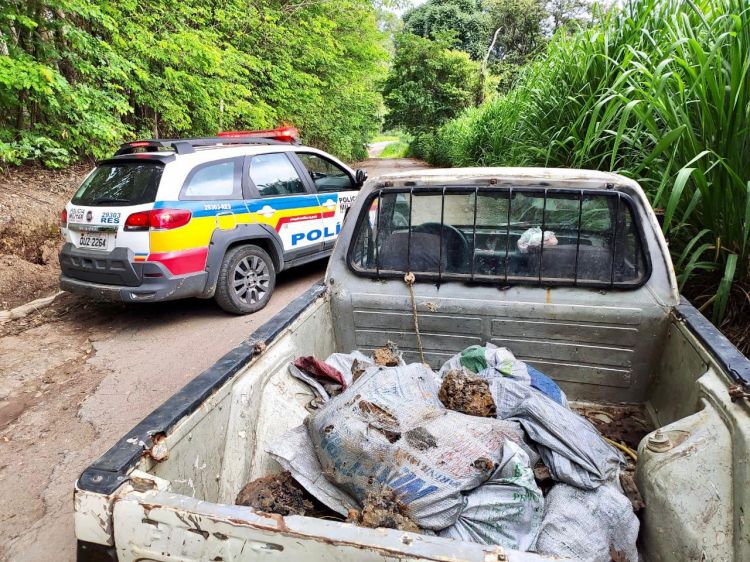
(126, 183)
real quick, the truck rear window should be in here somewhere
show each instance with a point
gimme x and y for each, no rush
(495, 235)
(126, 183)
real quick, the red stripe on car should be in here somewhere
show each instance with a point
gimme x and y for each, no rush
(311, 217)
(183, 261)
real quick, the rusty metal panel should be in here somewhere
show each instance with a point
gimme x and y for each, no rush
(92, 517)
(597, 351)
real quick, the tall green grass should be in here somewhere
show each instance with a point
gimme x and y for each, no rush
(398, 149)
(658, 90)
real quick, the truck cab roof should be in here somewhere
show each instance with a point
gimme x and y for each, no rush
(499, 176)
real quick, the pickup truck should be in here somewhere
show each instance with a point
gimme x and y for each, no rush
(595, 306)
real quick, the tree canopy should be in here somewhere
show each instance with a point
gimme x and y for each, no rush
(428, 84)
(517, 27)
(509, 30)
(79, 76)
(464, 19)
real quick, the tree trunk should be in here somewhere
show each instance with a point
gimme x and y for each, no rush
(483, 71)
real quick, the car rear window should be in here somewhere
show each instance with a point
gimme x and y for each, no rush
(126, 183)
(494, 235)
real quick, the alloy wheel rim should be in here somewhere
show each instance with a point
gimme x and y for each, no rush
(251, 280)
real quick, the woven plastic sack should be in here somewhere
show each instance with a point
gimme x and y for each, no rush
(294, 451)
(506, 510)
(389, 430)
(570, 446)
(344, 362)
(588, 525)
(477, 358)
(501, 361)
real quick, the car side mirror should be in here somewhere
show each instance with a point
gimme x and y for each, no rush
(360, 177)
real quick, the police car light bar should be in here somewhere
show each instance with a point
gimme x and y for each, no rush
(184, 146)
(282, 134)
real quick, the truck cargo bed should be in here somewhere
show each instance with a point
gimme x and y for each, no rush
(183, 487)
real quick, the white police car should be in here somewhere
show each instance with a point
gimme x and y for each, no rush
(210, 217)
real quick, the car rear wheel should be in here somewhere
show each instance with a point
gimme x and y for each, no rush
(246, 280)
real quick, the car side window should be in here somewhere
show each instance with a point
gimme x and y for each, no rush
(327, 176)
(214, 180)
(274, 174)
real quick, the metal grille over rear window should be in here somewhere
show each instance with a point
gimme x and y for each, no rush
(526, 236)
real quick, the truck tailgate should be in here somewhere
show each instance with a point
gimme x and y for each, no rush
(170, 527)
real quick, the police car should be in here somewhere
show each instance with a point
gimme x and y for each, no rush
(209, 217)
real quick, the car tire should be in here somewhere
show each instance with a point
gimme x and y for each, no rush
(247, 278)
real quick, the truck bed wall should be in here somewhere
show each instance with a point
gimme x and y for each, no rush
(602, 347)
(674, 392)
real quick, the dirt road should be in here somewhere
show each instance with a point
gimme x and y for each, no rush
(376, 149)
(76, 376)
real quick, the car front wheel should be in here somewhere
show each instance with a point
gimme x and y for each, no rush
(246, 280)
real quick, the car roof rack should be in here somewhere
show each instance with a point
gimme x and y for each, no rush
(186, 146)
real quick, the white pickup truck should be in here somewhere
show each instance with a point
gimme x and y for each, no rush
(597, 309)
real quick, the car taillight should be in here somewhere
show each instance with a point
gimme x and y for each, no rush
(138, 221)
(164, 219)
(64, 218)
(158, 219)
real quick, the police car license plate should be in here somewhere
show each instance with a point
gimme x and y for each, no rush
(94, 241)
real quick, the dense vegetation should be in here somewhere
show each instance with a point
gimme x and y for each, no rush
(463, 19)
(660, 91)
(428, 83)
(500, 34)
(77, 77)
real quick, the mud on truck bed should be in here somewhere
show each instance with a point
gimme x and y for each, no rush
(567, 269)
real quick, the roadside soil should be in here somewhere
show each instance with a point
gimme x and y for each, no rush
(76, 375)
(31, 199)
